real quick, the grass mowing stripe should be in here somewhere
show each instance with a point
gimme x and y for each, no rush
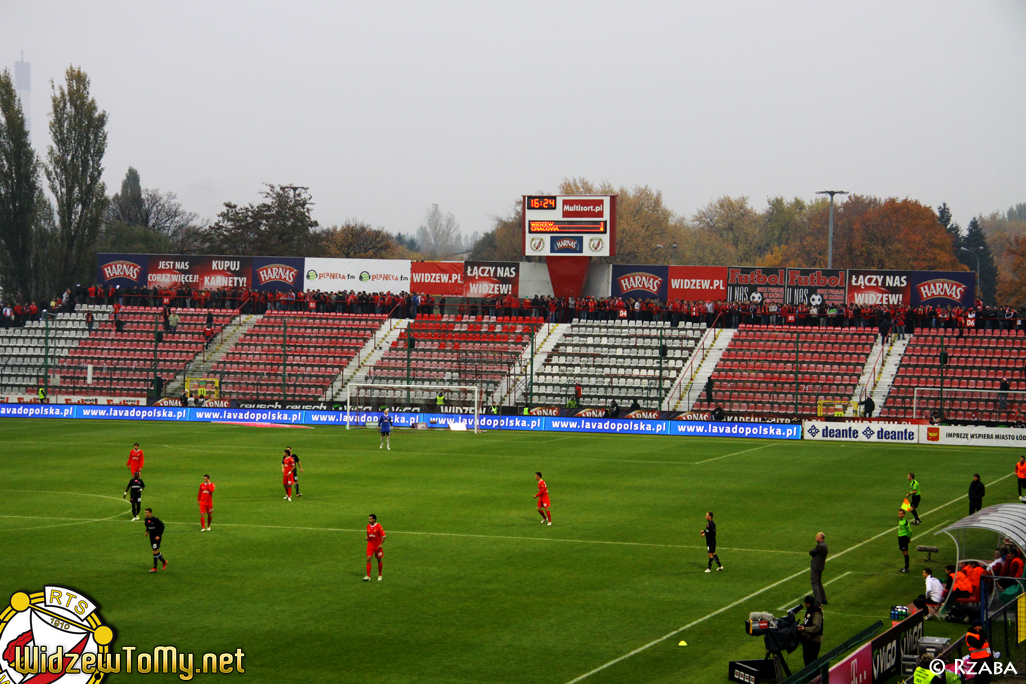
(761, 591)
(426, 534)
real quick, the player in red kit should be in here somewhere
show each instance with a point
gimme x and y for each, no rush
(206, 503)
(375, 538)
(135, 460)
(286, 474)
(543, 500)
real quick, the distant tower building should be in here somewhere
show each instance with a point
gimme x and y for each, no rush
(23, 86)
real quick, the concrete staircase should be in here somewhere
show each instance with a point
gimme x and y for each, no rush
(698, 369)
(879, 374)
(545, 340)
(359, 366)
(200, 366)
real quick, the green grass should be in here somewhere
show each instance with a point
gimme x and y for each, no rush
(475, 589)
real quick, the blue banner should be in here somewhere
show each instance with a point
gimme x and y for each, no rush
(438, 420)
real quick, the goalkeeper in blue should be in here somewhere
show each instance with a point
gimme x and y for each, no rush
(385, 428)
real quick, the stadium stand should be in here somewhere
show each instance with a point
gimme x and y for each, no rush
(123, 361)
(458, 350)
(757, 373)
(977, 362)
(22, 349)
(317, 347)
(615, 360)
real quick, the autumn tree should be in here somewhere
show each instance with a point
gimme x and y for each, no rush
(281, 225)
(74, 171)
(505, 241)
(737, 229)
(439, 235)
(1012, 288)
(358, 240)
(175, 230)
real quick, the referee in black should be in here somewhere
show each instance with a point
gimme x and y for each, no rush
(710, 542)
(134, 493)
(155, 528)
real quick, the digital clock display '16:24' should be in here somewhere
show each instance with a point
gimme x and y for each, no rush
(541, 203)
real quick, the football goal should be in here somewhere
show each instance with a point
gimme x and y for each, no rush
(458, 401)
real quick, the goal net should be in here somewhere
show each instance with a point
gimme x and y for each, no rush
(208, 388)
(459, 401)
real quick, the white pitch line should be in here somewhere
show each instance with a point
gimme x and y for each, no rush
(736, 453)
(790, 604)
(754, 594)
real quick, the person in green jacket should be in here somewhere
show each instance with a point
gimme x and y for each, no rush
(913, 496)
(904, 536)
(924, 675)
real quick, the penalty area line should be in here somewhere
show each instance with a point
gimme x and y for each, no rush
(700, 620)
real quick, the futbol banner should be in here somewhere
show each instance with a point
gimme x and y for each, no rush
(815, 287)
(879, 288)
(278, 273)
(491, 278)
(943, 288)
(438, 278)
(756, 285)
(358, 275)
(639, 282)
(697, 283)
(854, 431)
(171, 271)
(125, 270)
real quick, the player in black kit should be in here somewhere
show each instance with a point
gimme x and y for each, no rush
(155, 528)
(134, 493)
(710, 542)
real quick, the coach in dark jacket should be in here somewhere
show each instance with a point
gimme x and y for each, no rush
(819, 556)
(977, 491)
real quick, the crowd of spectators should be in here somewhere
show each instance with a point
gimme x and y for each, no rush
(887, 319)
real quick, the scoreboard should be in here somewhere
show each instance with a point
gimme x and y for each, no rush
(564, 225)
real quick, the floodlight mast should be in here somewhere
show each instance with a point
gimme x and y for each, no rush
(830, 240)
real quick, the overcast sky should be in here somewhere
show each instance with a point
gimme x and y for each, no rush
(383, 108)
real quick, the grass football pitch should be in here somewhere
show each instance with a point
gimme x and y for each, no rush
(475, 589)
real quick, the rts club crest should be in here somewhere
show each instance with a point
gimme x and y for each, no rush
(53, 635)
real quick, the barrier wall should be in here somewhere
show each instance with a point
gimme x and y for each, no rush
(972, 435)
(894, 433)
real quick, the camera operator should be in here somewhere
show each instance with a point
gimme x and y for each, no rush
(810, 632)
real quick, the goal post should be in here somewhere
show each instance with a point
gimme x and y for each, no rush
(836, 408)
(376, 396)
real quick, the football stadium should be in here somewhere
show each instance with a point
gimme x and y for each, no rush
(602, 441)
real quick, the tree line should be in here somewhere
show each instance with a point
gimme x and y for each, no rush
(49, 242)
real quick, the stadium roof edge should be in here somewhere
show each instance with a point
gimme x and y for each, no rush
(1006, 519)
